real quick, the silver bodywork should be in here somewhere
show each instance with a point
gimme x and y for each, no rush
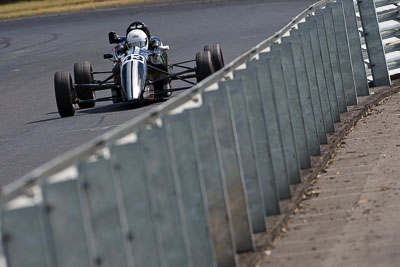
(133, 74)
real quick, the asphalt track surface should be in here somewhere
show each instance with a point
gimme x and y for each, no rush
(32, 49)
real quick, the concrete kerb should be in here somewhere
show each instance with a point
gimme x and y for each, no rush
(349, 119)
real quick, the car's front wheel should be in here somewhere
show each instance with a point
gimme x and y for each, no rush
(83, 74)
(204, 65)
(65, 93)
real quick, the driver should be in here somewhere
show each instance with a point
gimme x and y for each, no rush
(138, 34)
(138, 26)
(137, 38)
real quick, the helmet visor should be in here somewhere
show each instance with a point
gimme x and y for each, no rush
(140, 44)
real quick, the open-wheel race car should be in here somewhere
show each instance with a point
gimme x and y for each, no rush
(141, 72)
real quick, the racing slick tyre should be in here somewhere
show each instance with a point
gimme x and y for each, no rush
(65, 93)
(204, 65)
(83, 73)
(216, 55)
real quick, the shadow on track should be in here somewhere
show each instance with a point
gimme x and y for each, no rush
(118, 107)
(104, 109)
(50, 113)
(44, 120)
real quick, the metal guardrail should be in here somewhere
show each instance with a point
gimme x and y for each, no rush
(384, 18)
(189, 182)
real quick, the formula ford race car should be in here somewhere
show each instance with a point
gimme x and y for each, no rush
(141, 72)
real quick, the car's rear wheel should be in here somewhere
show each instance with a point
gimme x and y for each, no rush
(216, 55)
(204, 65)
(65, 93)
(83, 74)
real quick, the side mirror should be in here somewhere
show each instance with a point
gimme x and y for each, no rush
(164, 47)
(107, 56)
(112, 38)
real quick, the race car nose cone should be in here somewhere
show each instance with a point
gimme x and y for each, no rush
(133, 77)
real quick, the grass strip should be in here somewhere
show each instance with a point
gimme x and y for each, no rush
(41, 7)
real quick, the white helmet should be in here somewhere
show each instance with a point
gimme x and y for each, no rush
(137, 38)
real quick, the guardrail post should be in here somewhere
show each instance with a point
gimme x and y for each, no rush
(273, 60)
(70, 240)
(193, 192)
(261, 143)
(100, 206)
(319, 114)
(141, 224)
(23, 236)
(278, 159)
(166, 196)
(232, 167)
(357, 60)
(373, 40)
(210, 166)
(296, 112)
(330, 82)
(304, 93)
(239, 114)
(319, 68)
(327, 22)
(335, 11)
